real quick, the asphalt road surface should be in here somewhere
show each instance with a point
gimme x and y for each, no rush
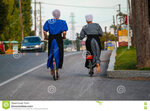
(27, 78)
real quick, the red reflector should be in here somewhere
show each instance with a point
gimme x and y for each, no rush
(89, 57)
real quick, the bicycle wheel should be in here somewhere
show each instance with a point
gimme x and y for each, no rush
(91, 69)
(54, 70)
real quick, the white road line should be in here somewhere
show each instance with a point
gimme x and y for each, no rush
(24, 73)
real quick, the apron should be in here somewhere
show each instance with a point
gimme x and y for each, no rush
(88, 47)
(59, 40)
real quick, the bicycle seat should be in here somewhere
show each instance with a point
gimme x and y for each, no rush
(89, 57)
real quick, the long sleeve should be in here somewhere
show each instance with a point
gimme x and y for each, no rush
(82, 34)
(64, 27)
(45, 27)
(100, 32)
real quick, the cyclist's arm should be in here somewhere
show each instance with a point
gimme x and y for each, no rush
(82, 34)
(45, 30)
(100, 32)
(45, 35)
(65, 29)
(64, 34)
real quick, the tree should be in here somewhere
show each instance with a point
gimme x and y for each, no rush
(12, 30)
(27, 18)
(112, 26)
(3, 15)
(67, 42)
(109, 37)
(141, 32)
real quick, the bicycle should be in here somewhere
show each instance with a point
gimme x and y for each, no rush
(55, 72)
(89, 58)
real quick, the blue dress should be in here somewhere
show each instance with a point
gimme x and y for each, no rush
(55, 27)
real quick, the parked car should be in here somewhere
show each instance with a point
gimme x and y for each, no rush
(2, 48)
(32, 43)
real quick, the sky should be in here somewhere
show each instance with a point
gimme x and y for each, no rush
(102, 11)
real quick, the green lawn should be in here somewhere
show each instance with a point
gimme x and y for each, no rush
(126, 59)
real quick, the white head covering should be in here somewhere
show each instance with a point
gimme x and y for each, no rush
(56, 13)
(89, 18)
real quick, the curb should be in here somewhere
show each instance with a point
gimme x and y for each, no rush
(112, 61)
(127, 74)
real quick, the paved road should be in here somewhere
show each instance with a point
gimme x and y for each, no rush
(74, 84)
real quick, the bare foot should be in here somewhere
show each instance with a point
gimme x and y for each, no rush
(98, 69)
(52, 72)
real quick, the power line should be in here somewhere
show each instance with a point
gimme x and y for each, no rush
(79, 6)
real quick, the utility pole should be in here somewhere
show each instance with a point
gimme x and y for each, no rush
(133, 18)
(21, 22)
(120, 13)
(117, 25)
(128, 24)
(129, 2)
(106, 35)
(119, 8)
(115, 30)
(35, 16)
(72, 26)
(40, 33)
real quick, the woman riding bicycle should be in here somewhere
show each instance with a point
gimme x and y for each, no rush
(57, 29)
(93, 31)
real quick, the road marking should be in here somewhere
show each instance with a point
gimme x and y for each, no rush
(22, 74)
(30, 70)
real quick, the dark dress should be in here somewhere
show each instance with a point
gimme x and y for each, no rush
(59, 40)
(93, 45)
(89, 48)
